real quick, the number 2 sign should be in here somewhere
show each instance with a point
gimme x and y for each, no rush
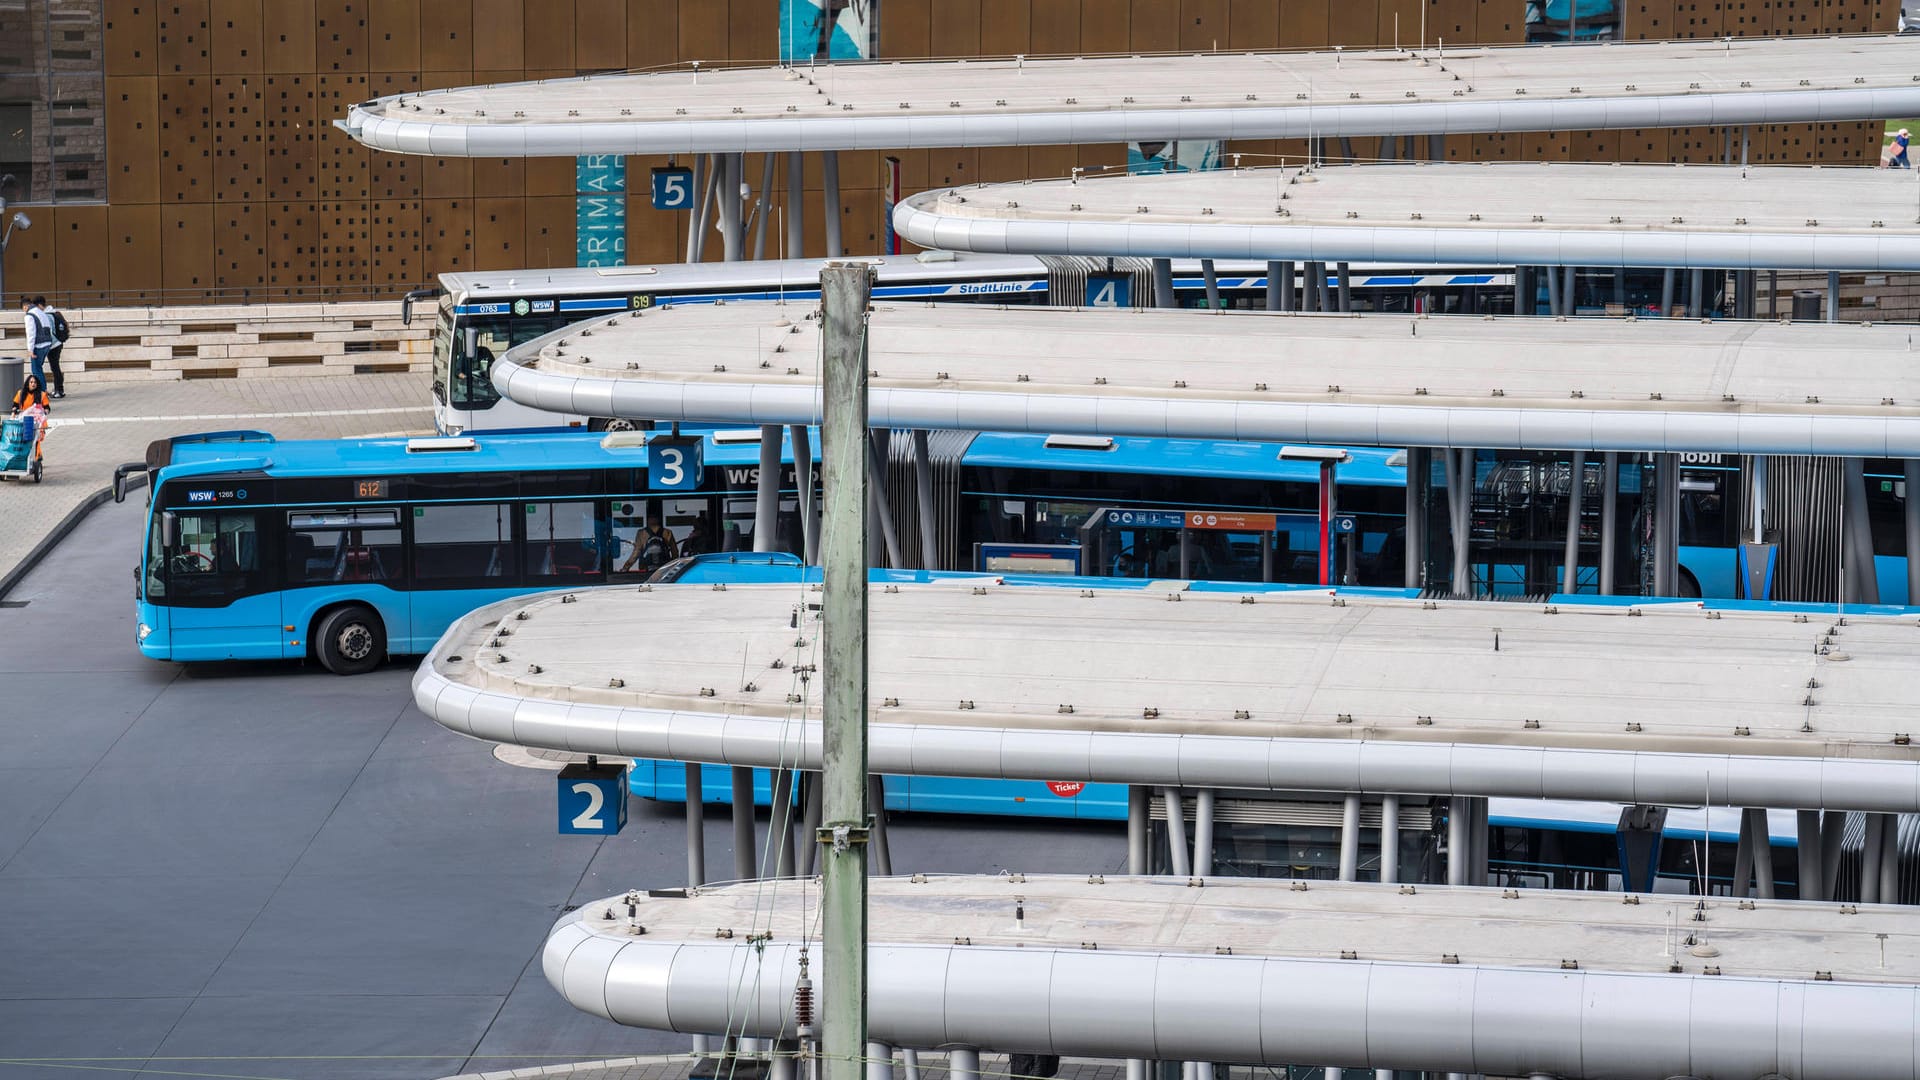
(593, 800)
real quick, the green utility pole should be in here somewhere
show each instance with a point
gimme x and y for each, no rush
(844, 292)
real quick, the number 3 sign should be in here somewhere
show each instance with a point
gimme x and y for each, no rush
(593, 800)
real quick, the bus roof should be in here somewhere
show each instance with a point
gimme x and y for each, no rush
(1180, 457)
(515, 451)
(798, 273)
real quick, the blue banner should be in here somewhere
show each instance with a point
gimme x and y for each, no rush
(600, 210)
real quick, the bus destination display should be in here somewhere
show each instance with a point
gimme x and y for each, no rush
(369, 489)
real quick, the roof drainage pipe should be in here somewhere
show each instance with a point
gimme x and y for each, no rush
(1656, 777)
(1262, 1010)
(1626, 430)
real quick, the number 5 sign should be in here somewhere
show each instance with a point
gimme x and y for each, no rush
(593, 800)
(674, 464)
(672, 189)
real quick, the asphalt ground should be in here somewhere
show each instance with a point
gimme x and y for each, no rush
(267, 871)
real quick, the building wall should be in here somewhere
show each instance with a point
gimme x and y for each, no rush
(226, 178)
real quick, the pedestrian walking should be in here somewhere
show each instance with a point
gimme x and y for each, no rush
(57, 322)
(1895, 155)
(39, 338)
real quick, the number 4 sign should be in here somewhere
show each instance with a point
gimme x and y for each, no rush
(593, 800)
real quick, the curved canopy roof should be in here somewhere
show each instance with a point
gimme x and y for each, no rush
(1016, 102)
(1497, 214)
(1451, 980)
(1262, 687)
(1587, 384)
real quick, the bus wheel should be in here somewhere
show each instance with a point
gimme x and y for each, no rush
(1689, 586)
(618, 423)
(350, 640)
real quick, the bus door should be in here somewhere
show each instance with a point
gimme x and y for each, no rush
(215, 573)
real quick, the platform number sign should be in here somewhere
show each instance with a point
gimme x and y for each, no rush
(1109, 290)
(593, 800)
(674, 464)
(672, 189)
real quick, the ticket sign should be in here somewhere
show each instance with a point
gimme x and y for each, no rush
(1211, 519)
(1066, 789)
(593, 800)
(673, 189)
(675, 464)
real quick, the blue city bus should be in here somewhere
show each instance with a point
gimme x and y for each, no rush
(348, 551)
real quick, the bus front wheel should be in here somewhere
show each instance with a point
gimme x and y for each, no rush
(350, 640)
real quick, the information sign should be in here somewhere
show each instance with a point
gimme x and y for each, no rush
(1106, 290)
(675, 464)
(1344, 524)
(672, 189)
(1213, 519)
(1147, 519)
(593, 800)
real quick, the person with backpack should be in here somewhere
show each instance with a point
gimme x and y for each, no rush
(39, 338)
(56, 322)
(653, 546)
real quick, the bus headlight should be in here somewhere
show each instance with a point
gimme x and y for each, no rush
(143, 632)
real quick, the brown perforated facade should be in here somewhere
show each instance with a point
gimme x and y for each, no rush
(225, 177)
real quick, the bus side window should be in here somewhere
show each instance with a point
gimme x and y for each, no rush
(463, 542)
(562, 541)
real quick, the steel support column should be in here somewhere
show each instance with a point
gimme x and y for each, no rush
(811, 808)
(923, 500)
(830, 201)
(796, 204)
(696, 827)
(1833, 826)
(1139, 824)
(699, 195)
(1203, 833)
(1389, 839)
(766, 490)
(1833, 296)
(1666, 512)
(1912, 520)
(1870, 859)
(780, 825)
(879, 1061)
(1862, 583)
(1345, 275)
(1576, 493)
(804, 475)
(1288, 301)
(1666, 293)
(1419, 476)
(882, 849)
(1609, 519)
(1553, 292)
(1762, 837)
(1567, 291)
(1163, 284)
(1459, 465)
(1176, 830)
(732, 231)
(763, 207)
(1890, 859)
(1697, 293)
(1350, 838)
(963, 1065)
(1458, 845)
(1807, 824)
(877, 500)
(744, 864)
(1211, 281)
(1743, 858)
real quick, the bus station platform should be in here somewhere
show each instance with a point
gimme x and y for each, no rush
(1499, 214)
(1498, 982)
(1035, 102)
(1686, 386)
(1269, 688)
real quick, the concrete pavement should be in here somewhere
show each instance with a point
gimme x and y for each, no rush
(102, 424)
